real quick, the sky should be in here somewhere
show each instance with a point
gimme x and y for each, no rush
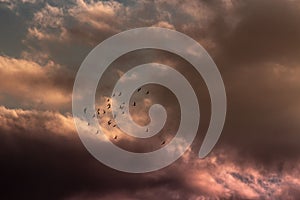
(255, 45)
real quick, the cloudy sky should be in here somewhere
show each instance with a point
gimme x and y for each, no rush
(256, 46)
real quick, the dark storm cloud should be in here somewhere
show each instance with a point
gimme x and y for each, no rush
(259, 31)
(42, 158)
(257, 52)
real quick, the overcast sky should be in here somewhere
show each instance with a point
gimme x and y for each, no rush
(256, 46)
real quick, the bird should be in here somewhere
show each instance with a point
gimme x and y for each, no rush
(107, 100)
(109, 122)
(84, 110)
(115, 125)
(108, 106)
(164, 142)
(104, 112)
(139, 89)
(115, 137)
(120, 93)
(147, 92)
(134, 104)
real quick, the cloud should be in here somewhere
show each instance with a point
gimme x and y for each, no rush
(42, 147)
(31, 85)
(255, 45)
(14, 120)
(48, 19)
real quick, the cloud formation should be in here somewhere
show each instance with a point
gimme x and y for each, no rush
(41, 150)
(28, 84)
(254, 43)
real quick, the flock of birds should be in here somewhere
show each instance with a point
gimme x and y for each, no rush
(108, 107)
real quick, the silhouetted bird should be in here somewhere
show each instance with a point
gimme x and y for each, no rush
(147, 92)
(84, 110)
(115, 137)
(139, 89)
(164, 142)
(104, 112)
(109, 122)
(134, 104)
(114, 125)
(107, 100)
